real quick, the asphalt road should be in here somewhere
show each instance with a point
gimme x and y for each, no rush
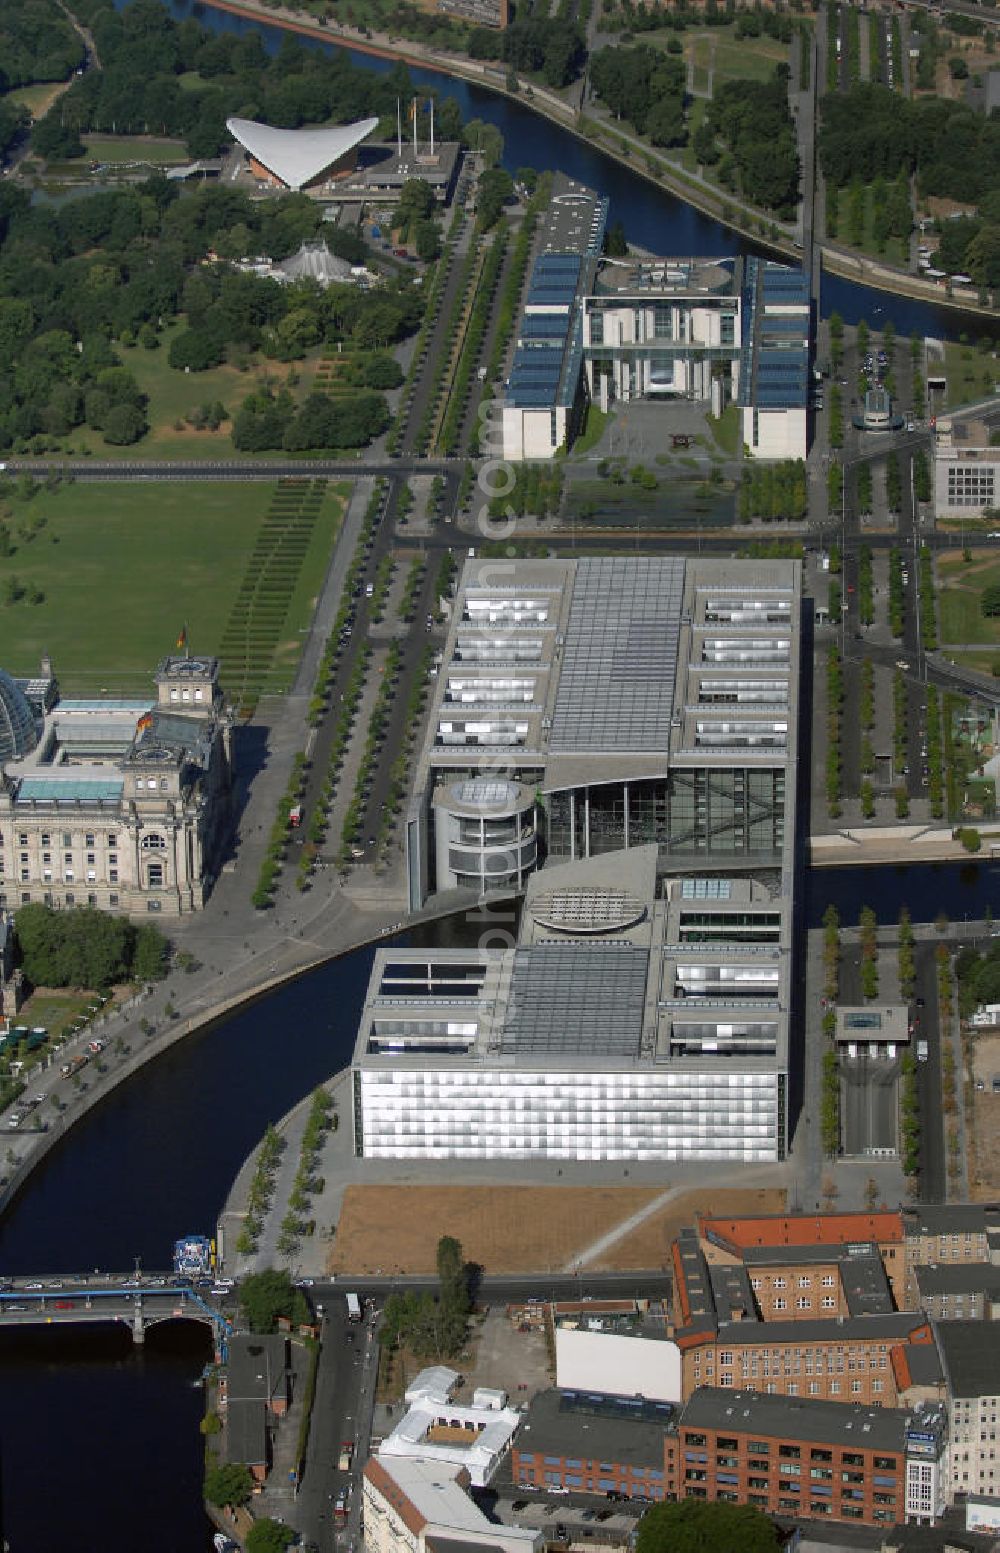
(386, 540)
(933, 1173)
(869, 1105)
(345, 1388)
(92, 470)
(347, 1373)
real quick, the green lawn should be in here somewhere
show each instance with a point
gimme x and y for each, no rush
(982, 662)
(174, 394)
(749, 59)
(970, 375)
(37, 99)
(960, 586)
(123, 567)
(54, 1011)
(135, 148)
(726, 430)
(593, 429)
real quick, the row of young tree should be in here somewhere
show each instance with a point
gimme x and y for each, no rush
(636, 17)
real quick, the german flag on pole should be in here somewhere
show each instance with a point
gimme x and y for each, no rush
(183, 638)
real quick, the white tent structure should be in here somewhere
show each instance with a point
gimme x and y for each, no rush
(298, 157)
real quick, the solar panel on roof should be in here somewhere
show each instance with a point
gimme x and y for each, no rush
(616, 684)
(531, 399)
(543, 326)
(581, 999)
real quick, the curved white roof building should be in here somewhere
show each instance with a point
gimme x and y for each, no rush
(298, 157)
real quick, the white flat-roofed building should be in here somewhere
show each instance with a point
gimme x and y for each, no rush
(423, 1506)
(966, 465)
(621, 1357)
(454, 1435)
(650, 707)
(618, 1027)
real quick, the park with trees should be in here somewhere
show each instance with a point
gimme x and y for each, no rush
(105, 279)
(701, 1526)
(432, 1325)
(872, 136)
(84, 947)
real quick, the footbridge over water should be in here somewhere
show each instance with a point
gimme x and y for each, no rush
(138, 1302)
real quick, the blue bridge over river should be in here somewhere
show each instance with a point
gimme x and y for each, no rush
(138, 1301)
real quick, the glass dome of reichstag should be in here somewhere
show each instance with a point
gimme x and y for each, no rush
(18, 730)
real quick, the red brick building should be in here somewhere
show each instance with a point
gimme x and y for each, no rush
(791, 1456)
(787, 1456)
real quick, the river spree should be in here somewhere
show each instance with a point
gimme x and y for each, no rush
(119, 1427)
(652, 218)
(111, 1431)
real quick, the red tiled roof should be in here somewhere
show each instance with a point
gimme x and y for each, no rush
(900, 1367)
(802, 1229)
(680, 1283)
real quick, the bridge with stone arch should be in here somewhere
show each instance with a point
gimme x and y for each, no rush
(138, 1301)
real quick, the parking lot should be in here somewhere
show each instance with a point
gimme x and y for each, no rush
(577, 1520)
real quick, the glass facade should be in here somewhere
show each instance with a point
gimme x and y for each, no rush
(739, 810)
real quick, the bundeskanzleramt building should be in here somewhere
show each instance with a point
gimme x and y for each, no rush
(123, 805)
(606, 330)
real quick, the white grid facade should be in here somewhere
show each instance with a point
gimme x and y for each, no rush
(494, 1113)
